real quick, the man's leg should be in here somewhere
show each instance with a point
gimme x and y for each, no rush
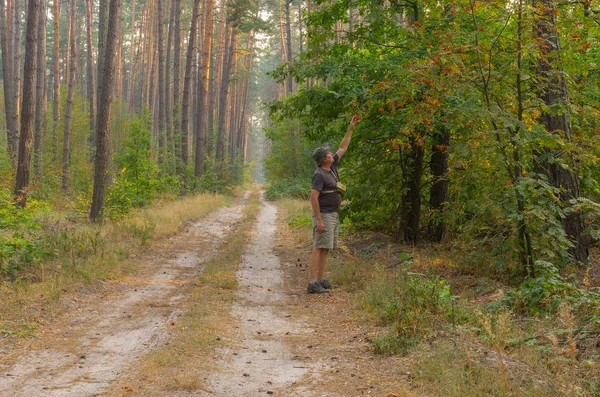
(315, 262)
(322, 261)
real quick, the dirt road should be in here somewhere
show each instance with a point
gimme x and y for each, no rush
(283, 341)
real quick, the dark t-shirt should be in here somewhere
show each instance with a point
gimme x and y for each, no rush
(324, 181)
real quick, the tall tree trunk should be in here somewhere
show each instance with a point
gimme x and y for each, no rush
(133, 58)
(102, 31)
(40, 95)
(243, 122)
(212, 98)
(16, 69)
(204, 67)
(91, 87)
(300, 28)
(56, 75)
(552, 90)
(168, 108)
(70, 88)
(102, 133)
(187, 82)
(28, 105)
(412, 172)
(410, 207)
(161, 86)
(9, 107)
(224, 90)
(288, 47)
(439, 193)
(176, 68)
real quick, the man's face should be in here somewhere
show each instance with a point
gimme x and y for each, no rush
(328, 159)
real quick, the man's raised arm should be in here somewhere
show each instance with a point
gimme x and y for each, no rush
(346, 141)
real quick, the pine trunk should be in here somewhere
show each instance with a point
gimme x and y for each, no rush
(28, 105)
(40, 95)
(103, 132)
(288, 47)
(70, 88)
(187, 82)
(56, 76)
(161, 86)
(202, 92)
(223, 93)
(91, 88)
(9, 107)
(176, 69)
(168, 108)
(102, 31)
(16, 70)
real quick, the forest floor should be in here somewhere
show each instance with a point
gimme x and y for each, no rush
(265, 336)
(221, 309)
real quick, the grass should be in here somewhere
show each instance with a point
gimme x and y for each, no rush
(205, 323)
(456, 345)
(85, 253)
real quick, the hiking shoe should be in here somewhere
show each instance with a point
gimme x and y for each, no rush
(315, 288)
(325, 284)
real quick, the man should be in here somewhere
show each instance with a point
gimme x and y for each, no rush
(325, 200)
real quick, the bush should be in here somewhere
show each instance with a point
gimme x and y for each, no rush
(21, 243)
(297, 188)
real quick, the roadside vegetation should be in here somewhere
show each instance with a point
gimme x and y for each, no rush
(464, 333)
(47, 252)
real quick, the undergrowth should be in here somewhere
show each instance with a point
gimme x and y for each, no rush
(76, 251)
(538, 339)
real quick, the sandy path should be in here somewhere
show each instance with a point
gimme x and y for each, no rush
(104, 339)
(262, 363)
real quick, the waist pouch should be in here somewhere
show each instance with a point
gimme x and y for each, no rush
(339, 188)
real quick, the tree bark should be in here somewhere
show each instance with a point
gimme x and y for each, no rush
(91, 87)
(438, 194)
(288, 47)
(168, 104)
(102, 133)
(40, 95)
(28, 105)
(102, 31)
(202, 91)
(552, 90)
(176, 69)
(410, 210)
(161, 86)
(223, 94)
(9, 107)
(16, 70)
(187, 82)
(69, 106)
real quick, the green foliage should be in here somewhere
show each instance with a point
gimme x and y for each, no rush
(296, 188)
(413, 304)
(139, 179)
(547, 292)
(448, 68)
(21, 244)
(289, 167)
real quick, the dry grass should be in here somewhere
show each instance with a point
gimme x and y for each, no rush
(86, 253)
(486, 353)
(204, 324)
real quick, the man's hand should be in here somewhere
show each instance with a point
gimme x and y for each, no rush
(346, 141)
(355, 120)
(320, 226)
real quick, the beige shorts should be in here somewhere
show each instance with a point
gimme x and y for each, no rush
(329, 237)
